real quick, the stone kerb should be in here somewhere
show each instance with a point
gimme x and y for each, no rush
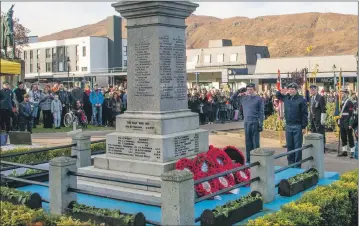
(317, 152)
(177, 198)
(265, 172)
(59, 182)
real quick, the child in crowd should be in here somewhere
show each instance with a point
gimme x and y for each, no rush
(56, 110)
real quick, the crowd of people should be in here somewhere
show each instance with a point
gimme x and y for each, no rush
(20, 107)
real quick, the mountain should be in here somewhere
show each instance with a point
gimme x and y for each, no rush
(285, 35)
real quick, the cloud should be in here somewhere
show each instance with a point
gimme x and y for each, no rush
(48, 17)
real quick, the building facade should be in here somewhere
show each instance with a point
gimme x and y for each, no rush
(70, 61)
(213, 66)
(322, 71)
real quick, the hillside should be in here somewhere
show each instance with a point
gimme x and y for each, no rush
(285, 35)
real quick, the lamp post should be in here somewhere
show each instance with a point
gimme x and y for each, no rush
(335, 78)
(68, 72)
(38, 74)
(356, 56)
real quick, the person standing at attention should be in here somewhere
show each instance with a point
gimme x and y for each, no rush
(253, 111)
(317, 112)
(296, 117)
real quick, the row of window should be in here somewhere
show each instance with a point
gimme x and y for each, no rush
(220, 58)
(50, 67)
(52, 52)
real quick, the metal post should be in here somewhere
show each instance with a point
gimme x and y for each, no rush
(197, 78)
(68, 75)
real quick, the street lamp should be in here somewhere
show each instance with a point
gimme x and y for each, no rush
(68, 72)
(335, 78)
(38, 74)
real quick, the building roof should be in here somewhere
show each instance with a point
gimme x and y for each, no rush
(290, 64)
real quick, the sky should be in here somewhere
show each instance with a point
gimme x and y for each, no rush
(44, 18)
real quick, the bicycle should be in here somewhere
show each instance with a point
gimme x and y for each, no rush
(71, 118)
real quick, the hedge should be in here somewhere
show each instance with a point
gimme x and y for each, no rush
(272, 122)
(20, 215)
(335, 204)
(44, 156)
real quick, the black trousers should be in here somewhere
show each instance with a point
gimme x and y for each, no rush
(202, 118)
(317, 127)
(48, 119)
(26, 126)
(211, 116)
(5, 116)
(222, 115)
(346, 135)
(63, 113)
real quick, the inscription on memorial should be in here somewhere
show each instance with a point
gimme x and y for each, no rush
(140, 126)
(172, 68)
(185, 145)
(134, 147)
(142, 76)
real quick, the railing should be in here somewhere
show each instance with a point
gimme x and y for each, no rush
(109, 70)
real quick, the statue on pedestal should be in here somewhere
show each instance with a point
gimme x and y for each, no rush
(7, 32)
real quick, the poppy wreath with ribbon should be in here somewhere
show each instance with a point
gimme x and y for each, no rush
(225, 181)
(243, 175)
(221, 158)
(184, 163)
(204, 167)
(235, 154)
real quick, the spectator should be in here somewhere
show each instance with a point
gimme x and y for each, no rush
(87, 104)
(116, 105)
(56, 109)
(20, 92)
(45, 104)
(6, 106)
(26, 109)
(96, 99)
(34, 97)
(65, 102)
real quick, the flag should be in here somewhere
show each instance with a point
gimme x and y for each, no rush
(340, 87)
(278, 81)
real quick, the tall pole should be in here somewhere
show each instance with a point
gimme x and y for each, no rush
(38, 75)
(68, 75)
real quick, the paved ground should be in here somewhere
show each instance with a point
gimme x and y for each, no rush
(221, 135)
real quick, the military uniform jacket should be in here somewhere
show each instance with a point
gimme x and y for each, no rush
(346, 118)
(317, 107)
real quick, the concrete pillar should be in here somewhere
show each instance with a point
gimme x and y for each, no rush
(265, 171)
(82, 150)
(177, 198)
(317, 151)
(59, 181)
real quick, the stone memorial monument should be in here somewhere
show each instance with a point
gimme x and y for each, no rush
(158, 128)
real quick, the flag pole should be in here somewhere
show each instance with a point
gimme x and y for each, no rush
(279, 86)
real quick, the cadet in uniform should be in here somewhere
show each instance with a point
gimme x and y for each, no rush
(296, 117)
(346, 124)
(317, 112)
(253, 111)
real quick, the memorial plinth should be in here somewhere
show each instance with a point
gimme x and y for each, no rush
(157, 129)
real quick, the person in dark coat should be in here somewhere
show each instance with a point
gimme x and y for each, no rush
(222, 100)
(317, 112)
(346, 124)
(76, 95)
(7, 104)
(65, 101)
(87, 104)
(203, 109)
(194, 100)
(20, 92)
(296, 118)
(26, 109)
(211, 110)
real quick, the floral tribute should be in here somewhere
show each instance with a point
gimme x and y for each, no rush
(213, 162)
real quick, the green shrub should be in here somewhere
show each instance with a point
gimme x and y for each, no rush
(273, 123)
(12, 193)
(20, 215)
(303, 214)
(335, 206)
(44, 156)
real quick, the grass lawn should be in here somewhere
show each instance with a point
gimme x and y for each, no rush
(40, 129)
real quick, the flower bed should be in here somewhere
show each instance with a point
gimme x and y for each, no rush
(31, 200)
(298, 183)
(233, 211)
(335, 204)
(20, 215)
(104, 217)
(44, 156)
(29, 174)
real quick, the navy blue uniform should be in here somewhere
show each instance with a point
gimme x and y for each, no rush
(296, 117)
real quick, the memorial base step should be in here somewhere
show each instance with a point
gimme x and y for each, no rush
(141, 178)
(133, 166)
(121, 193)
